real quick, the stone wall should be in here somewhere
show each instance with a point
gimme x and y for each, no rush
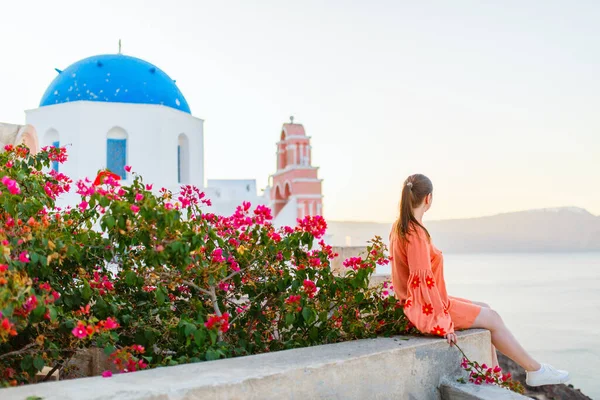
(383, 368)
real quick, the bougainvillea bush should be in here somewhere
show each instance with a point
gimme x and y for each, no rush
(156, 279)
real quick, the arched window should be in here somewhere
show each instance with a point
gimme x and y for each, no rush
(51, 138)
(116, 151)
(183, 159)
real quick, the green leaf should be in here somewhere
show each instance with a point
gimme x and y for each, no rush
(109, 220)
(53, 314)
(212, 355)
(38, 363)
(314, 333)
(104, 201)
(160, 296)
(189, 329)
(199, 337)
(306, 314)
(323, 316)
(109, 349)
(289, 318)
(86, 292)
(39, 311)
(213, 336)
(130, 278)
(281, 284)
(27, 363)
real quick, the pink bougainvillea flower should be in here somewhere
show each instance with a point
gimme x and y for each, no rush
(149, 187)
(128, 168)
(217, 256)
(310, 288)
(276, 237)
(30, 304)
(80, 330)
(234, 266)
(315, 225)
(83, 205)
(355, 263)
(11, 185)
(139, 197)
(135, 208)
(24, 257)
(137, 348)
(110, 323)
(214, 321)
(465, 363)
(107, 374)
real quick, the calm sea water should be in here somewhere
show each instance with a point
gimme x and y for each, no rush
(551, 302)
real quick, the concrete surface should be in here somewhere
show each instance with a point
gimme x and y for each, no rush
(382, 368)
(452, 390)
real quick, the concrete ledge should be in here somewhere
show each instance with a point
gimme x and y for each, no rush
(458, 391)
(383, 368)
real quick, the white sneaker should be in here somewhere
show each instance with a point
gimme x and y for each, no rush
(547, 375)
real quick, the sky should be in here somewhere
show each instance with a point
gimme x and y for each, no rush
(497, 102)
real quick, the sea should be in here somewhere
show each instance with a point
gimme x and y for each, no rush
(550, 301)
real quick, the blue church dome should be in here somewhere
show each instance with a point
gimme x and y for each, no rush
(114, 78)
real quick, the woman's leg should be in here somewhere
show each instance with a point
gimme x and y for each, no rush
(504, 340)
(494, 353)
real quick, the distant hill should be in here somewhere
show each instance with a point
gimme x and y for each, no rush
(545, 230)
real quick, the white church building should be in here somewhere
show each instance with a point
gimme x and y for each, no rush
(115, 110)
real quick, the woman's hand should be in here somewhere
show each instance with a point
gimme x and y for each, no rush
(451, 338)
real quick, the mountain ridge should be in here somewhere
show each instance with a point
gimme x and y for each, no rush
(538, 230)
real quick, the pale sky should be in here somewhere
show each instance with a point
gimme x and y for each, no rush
(498, 102)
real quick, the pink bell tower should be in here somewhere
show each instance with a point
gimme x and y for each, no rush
(295, 184)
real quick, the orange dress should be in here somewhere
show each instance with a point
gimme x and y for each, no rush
(418, 279)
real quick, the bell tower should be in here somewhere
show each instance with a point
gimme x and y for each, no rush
(295, 183)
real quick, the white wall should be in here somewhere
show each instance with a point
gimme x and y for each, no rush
(152, 130)
(227, 194)
(288, 215)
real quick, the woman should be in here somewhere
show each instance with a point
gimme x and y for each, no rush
(418, 279)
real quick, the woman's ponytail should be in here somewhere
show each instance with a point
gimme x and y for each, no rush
(415, 189)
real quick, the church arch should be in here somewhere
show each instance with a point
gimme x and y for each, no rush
(288, 190)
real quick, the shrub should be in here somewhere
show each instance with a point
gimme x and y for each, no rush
(154, 280)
